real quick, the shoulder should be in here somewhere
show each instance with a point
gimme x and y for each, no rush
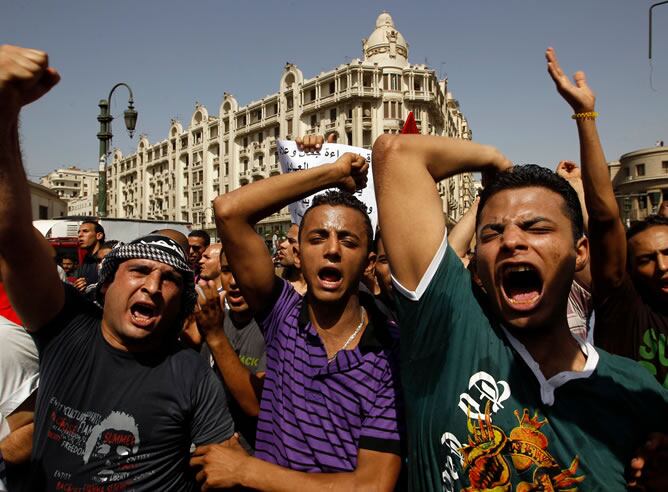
(630, 376)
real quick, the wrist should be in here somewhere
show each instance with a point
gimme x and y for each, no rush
(247, 472)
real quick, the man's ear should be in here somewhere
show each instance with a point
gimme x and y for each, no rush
(370, 268)
(99, 236)
(582, 253)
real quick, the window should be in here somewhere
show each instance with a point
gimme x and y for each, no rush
(332, 87)
(664, 167)
(276, 131)
(227, 169)
(260, 137)
(640, 169)
(43, 212)
(312, 95)
(260, 161)
(417, 85)
(642, 202)
(314, 120)
(386, 85)
(290, 126)
(227, 147)
(395, 82)
(245, 142)
(213, 133)
(386, 109)
(627, 171)
(289, 100)
(332, 115)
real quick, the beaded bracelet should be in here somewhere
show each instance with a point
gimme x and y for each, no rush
(591, 115)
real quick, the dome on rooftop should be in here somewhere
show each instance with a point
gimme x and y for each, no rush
(386, 45)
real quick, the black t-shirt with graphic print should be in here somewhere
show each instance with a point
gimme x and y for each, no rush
(112, 420)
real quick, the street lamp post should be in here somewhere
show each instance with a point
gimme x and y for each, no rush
(105, 136)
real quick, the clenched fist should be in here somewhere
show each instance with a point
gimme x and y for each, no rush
(25, 76)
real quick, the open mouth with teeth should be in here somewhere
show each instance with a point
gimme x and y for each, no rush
(235, 297)
(522, 286)
(143, 314)
(330, 277)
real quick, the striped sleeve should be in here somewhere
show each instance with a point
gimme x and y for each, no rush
(382, 428)
(284, 305)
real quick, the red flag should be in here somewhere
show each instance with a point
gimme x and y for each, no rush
(410, 126)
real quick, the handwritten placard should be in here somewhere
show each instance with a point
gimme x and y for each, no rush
(292, 159)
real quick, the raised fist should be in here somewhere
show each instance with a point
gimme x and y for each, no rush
(25, 76)
(568, 170)
(353, 169)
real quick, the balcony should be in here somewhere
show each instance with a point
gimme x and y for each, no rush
(330, 126)
(366, 121)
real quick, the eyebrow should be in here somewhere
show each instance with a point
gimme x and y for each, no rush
(339, 233)
(498, 227)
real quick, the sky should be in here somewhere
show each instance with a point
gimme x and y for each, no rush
(174, 54)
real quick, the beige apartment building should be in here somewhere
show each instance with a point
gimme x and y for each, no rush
(178, 177)
(640, 181)
(77, 187)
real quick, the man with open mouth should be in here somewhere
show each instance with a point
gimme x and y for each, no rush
(499, 395)
(329, 415)
(120, 403)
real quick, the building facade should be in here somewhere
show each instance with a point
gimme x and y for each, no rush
(45, 202)
(640, 181)
(76, 186)
(178, 177)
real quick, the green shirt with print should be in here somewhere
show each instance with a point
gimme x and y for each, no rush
(481, 416)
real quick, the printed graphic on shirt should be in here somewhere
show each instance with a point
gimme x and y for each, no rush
(111, 442)
(492, 458)
(652, 353)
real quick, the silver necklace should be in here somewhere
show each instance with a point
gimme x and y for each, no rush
(351, 337)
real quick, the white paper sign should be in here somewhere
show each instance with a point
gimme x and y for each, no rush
(292, 159)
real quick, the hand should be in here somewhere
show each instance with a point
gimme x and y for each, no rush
(25, 76)
(581, 98)
(209, 312)
(569, 170)
(80, 284)
(313, 143)
(353, 169)
(648, 467)
(221, 465)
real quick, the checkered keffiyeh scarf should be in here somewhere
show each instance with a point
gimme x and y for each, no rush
(156, 248)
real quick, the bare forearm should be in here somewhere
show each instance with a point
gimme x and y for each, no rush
(237, 377)
(462, 233)
(15, 208)
(268, 477)
(599, 195)
(262, 198)
(441, 156)
(17, 446)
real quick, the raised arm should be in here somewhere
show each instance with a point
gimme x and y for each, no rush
(238, 211)
(606, 232)
(25, 76)
(406, 169)
(245, 387)
(462, 233)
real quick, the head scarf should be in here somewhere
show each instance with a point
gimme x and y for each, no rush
(156, 248)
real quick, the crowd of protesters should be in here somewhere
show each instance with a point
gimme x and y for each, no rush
(523, 349)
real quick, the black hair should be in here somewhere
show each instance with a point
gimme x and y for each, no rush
(531, 175)
(203, 234)
(98, 228)
(109, 244)
(641, 225)
(337, 198)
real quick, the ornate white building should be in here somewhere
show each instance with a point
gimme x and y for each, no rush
(178, 177)
(78, 187)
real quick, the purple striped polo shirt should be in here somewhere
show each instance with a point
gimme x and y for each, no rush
(315, 415)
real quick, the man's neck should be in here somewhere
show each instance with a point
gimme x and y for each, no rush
(335, 320)
(93, 249)
(554, 348)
